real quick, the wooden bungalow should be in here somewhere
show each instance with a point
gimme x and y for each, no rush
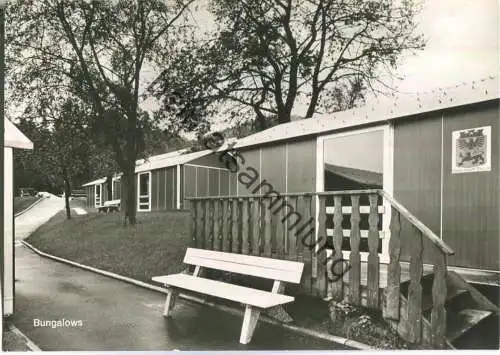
(401, 198)
(13, 139)
(163, 181)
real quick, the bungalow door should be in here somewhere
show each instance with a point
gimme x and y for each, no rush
(144, 191)
(357, 160)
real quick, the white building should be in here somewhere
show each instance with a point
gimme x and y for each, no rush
(13, 138)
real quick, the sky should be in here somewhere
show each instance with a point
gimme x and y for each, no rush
(462, 45)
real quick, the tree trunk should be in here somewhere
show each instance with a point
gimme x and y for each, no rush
(128, 202)
(67, 195)
(313, 103)
(109, 187)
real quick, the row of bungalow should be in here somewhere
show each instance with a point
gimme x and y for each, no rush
(164, 181)
(436, 153)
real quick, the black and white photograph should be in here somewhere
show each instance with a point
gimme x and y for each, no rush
(252, 175)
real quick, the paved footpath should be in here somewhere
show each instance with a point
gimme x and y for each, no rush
(108, 314)
(26, 223)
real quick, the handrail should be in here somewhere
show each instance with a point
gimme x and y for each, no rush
(289, 194)
(419, 225)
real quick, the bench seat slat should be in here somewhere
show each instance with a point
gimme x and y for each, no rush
(236, 293)
(282, 270)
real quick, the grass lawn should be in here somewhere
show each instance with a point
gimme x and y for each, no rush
(156, 245)
(21, 203)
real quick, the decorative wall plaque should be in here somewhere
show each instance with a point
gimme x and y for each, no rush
(471, 150)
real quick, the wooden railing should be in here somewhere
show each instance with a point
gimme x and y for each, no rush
(347, 223)
(440, 252)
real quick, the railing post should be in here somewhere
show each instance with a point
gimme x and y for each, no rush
(211, 224)
(235, 245)
(320, 251)
(336, 280)
(373, 258)
(245, 222)
(292, 230)
(306, 234)
(355, 256)
(203, 229)
(267, 226)
(392, 293)
(438, 315)
(226, 215)
(192, 222)
(217, 225)
(255, 225)
(415, 289)
(208, 224)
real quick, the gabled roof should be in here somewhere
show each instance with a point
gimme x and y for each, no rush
(14, 138)
(165, 162)
(385, 109)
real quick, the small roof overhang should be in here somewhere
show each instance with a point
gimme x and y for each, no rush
(14, 138)
(364, 177)
(95, 182)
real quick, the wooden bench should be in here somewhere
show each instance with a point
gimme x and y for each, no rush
(254, 300)
(110, 206)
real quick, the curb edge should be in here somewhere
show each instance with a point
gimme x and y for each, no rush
(29, 343)
(30, 206)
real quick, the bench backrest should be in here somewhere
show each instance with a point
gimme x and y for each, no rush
(281, 270)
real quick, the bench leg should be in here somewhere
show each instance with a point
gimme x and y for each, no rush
(169, 303)
(249, 322)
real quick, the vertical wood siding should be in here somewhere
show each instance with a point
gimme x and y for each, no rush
(417, 174)
(189, 181)
(170, 188)
(213, 182)
(471, 200)
(251, 160)
(91, 197)
(116, 190)
(301, 166)
(273, 166)
(233, 182)
(162, 197)
(224, 182)
(154, 190)
(202, 181)
(104, 192)
(181, 185)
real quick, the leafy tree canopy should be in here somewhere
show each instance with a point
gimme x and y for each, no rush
(270, 57)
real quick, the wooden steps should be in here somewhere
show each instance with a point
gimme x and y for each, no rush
(459, 323)
(465, 307)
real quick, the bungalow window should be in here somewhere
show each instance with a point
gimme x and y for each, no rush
(144, 192)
